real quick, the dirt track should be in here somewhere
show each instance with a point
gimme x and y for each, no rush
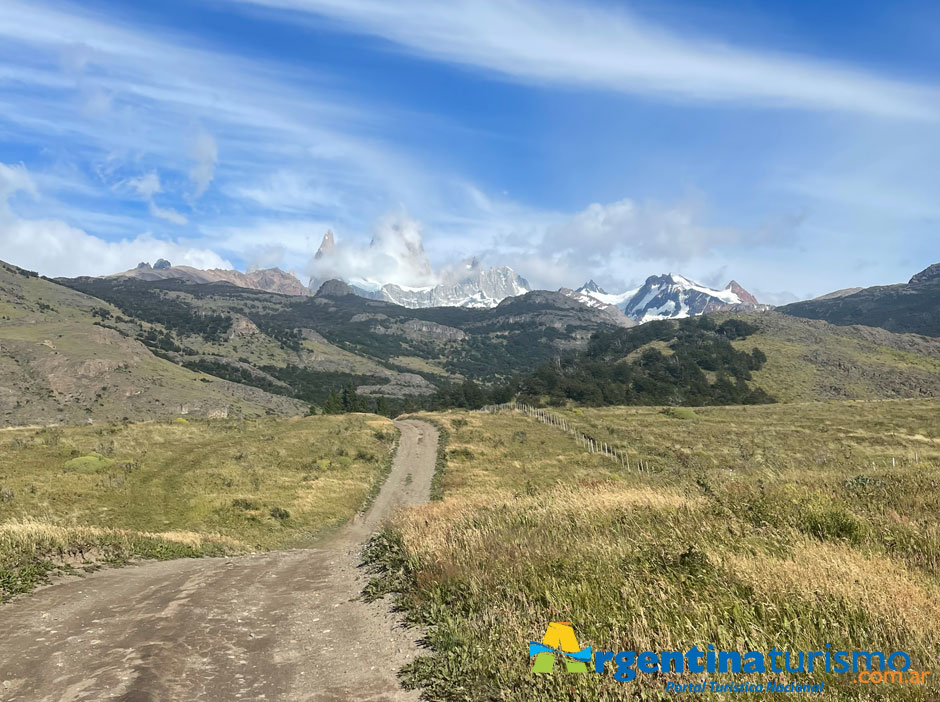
(277, 626)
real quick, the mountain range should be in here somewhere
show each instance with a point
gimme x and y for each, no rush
(470, 285)
(477, 288)
(905, 307)
(162, 343)
(669, 296)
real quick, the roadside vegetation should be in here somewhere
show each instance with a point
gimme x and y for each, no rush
(750, 528)
(77, 497)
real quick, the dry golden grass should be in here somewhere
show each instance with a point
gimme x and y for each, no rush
(755, 528)
(893, 597)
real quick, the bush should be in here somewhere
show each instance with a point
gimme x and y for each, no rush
(832, 522)
(680, 413)
(245, 504)
(280, 514)
(91, 463)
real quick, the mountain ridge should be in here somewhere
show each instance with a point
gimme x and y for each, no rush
(268, 279)
(912, 307)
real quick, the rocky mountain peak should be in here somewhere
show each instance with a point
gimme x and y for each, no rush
(335, 288)
(928, 274)
(744, 295)
(592, 287)
(327, 245)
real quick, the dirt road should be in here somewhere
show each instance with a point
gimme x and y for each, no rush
(277, 626)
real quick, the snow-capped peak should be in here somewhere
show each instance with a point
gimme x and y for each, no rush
(478, 288)
(591, 287)
(674, 296)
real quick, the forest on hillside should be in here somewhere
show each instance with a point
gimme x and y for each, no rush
(688, 362)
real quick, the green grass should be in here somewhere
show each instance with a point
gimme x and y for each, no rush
(759, 527)
(131, 490)
(810, 360)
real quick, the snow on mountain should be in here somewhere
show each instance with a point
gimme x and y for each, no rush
(394, 267)
(591, 287)
(673, 296)
(615, 314)
(481, 288)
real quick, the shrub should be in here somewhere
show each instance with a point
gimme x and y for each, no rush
(245, 504)
(463, 453)
(91, 463)
(680, 413)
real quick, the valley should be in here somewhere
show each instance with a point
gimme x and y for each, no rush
(232, 444)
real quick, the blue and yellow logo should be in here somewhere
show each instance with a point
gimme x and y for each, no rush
(559, 640)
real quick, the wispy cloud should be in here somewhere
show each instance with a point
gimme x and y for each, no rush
(206, 119)
(148, 185)
(205, 154)
(575, 44)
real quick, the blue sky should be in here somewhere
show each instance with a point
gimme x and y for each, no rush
(791, 146)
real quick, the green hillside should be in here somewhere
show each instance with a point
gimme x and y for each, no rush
(815, 360)
(105, 349)
(764, 356)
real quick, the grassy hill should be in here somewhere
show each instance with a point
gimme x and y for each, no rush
(815, 360)
(60, 364)
(912, 307)
(85, 495)
(750, 528)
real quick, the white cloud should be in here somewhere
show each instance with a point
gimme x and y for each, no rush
(148, 185)
(289, 191)
(265, 257)
(13, 179)
(395, 255)
(204, 153)
(646, 231)
(583, 45)
(56, 248)
(167, 213)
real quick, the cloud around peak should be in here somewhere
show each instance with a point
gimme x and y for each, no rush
(394, 255)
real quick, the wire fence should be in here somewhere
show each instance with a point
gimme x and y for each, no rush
(588, 443)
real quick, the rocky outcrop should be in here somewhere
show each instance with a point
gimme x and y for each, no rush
(335, 288)
(267, 279)
(912, 307)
